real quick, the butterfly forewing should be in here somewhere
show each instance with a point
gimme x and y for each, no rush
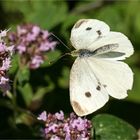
(124, 45)
(115, 75)
(87, 31)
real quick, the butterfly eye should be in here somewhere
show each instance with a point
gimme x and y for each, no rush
(88, 28)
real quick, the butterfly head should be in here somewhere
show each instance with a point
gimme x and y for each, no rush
(75, 53)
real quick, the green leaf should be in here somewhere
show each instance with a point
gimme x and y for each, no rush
(47, 14)
(64, 79)
(50, 14)
(108, 13)
(68, 24)
(27, 93)
(23, 75)
(108, 127)
(41, 91)
(51, 58)
(6, 103)
(134, 95)
(24, 118)
(14, 64)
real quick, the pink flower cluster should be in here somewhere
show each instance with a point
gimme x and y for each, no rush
(5, 61)
(57, 127)
(31, 43)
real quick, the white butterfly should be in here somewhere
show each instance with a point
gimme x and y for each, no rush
(97, 71)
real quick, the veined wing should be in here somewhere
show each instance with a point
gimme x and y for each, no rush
(124, 47)
(86, 31)
(115, 76)
(86, 93)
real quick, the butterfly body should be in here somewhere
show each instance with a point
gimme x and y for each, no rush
(97, 71)
(88, 53)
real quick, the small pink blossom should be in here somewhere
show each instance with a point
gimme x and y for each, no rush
(10, 49)
(6, 64)
(21, 48)
(59, 116)
(21, 31)
(45, 46)
(42, 116)
(36, 30)
(45, 34)
(79, 123)
(66, 128)
(3, 80)
(2, 47)
(3, 33)
(53, 128)
(36, 61)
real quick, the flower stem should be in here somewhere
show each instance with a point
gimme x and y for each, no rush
(15, 94)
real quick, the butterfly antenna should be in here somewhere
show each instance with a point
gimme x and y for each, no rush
(61, 41)
(53, 61)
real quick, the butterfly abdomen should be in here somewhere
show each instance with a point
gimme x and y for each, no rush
(88, 53)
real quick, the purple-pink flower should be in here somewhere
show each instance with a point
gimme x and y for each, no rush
(58, 127)
(59, 116)
(31, 43)
(42, 116)
(5, 62)
(21, 48)
(36, 61)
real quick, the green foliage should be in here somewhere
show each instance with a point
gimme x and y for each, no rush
(108, 127)
(23, 75)
(134, 95)
(14, 64)
(64, 79)
(51, 58)
(27, 93)
(45, 13)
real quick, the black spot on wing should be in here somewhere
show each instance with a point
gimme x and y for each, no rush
(88, 94)
(88, 28)
(99, 32)
(98, 87)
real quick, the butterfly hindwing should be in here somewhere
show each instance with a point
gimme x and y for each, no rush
(86, 93)
(116, 76)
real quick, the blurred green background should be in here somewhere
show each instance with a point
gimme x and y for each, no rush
(47, 88)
